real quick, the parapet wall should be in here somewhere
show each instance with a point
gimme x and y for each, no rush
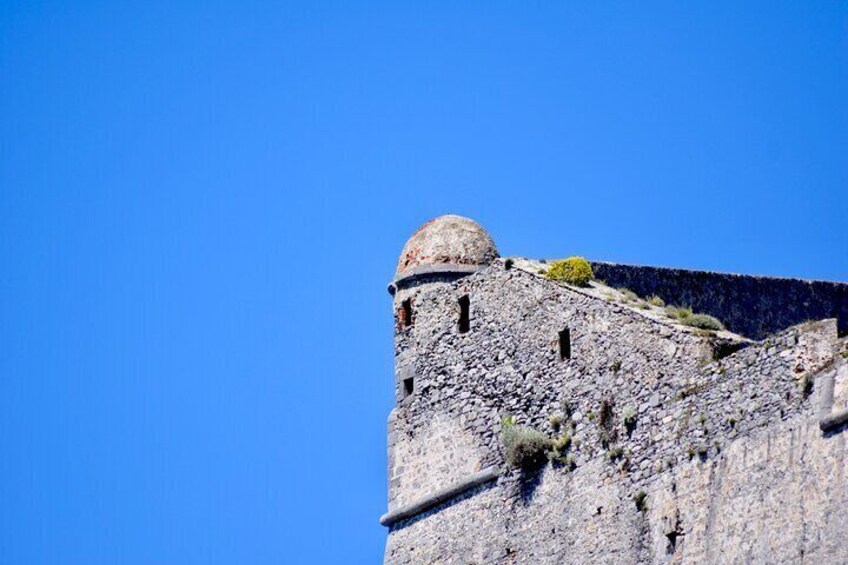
(752, 306)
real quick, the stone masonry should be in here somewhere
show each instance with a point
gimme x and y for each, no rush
(687, 446)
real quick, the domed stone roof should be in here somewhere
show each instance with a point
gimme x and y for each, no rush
(446, 241)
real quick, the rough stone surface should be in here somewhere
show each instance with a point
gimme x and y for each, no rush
(724, 437)
(447, 240)
(749, 305)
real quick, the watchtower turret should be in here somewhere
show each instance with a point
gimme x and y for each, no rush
(439, 252)
(443, 249)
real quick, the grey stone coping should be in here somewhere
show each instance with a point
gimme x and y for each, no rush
(439, 496)
(425, 272)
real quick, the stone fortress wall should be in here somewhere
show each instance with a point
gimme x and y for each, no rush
(725, 441)
(749, 305)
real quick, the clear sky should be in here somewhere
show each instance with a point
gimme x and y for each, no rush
(201, 205)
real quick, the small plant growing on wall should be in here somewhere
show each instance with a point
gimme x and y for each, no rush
(703, 321)
(558, 453)
(555, 420)
(629, 295)
(574, 270)
(686, 317)
(806, 385)
(615, 453)
(678, 312)
(524, 447)
(641, 501)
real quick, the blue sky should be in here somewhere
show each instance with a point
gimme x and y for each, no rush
(201, 205)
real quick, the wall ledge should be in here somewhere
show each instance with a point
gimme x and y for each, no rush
(426, 273)
(439, 496)
(834, 420)
(827, 419)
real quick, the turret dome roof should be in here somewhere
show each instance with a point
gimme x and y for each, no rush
(444, 241)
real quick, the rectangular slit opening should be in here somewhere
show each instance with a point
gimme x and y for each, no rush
(464, 317)
(408, 386)
(565, 344)
(406, 313)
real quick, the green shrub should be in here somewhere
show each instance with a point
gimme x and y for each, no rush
(629, 295)
(558, 453)
(524, 447)
(656, 301)
(806, 385)
(555, 420)
(703, 321)
(574, 270)
(678, 312)
(615, 453)
(562, 443)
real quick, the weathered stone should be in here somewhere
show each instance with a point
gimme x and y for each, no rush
(729, 452)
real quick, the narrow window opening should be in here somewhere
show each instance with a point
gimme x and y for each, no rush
(671, 547)
(464, 319)
(673, 537)
(406, 313)
(408, 386)
(565, 344)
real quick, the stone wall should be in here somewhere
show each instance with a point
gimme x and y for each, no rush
(509, 363)
(752, 306)
(707, 432)
(776, 495)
